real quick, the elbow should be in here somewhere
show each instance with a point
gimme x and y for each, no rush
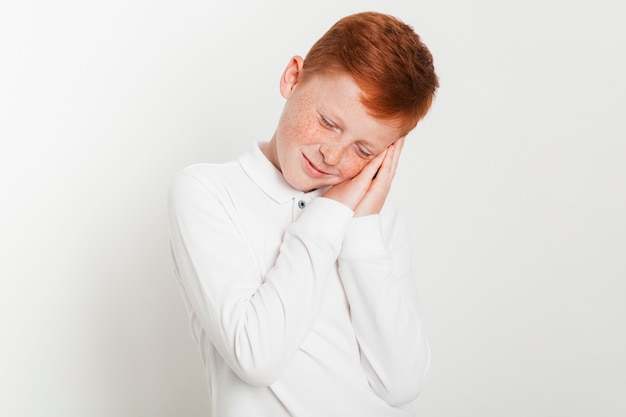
(261, 376)
(259, 367)
(406, 383)
(401, 394)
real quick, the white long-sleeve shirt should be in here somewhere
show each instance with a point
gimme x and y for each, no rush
(299, 308)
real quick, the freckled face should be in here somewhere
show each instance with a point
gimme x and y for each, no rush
(325, 135)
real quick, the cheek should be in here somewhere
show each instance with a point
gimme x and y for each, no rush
(352, 166)
(301, 131)
(299, 125)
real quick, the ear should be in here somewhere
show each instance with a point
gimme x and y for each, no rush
(291, 76)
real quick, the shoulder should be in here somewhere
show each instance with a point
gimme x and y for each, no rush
(206, 175)
(198, 180)
(206, 172)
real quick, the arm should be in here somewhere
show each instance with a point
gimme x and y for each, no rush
(255, 322)
(375, 270)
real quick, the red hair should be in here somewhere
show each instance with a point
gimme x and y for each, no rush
(387, 60)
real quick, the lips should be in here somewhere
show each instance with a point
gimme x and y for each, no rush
(312, 169)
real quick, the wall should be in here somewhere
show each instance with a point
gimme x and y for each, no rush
(515, 186)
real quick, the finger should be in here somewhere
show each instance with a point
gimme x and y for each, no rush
(398, 145)
(376, 195)
(369, 171)
(388, 167)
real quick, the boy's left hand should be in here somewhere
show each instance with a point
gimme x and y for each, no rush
(380, 185)
(367, 191)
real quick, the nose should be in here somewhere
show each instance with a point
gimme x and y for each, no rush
(332, 153)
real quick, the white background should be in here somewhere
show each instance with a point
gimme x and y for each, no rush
(515, 185)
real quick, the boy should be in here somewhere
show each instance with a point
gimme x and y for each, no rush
(295, 272)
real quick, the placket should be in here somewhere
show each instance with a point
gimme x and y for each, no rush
(299, 204)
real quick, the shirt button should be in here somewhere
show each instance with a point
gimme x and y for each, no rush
(301, 204)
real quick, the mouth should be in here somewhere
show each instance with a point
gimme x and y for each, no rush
(312, 169)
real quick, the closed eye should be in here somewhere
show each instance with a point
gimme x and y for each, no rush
(364, 152)
(324, 121)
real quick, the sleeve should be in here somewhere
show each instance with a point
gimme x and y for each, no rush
(256, 323)
(375, 270)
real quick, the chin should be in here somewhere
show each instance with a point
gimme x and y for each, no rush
(304, 186)
(295, 182)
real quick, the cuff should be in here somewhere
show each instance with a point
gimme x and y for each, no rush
(364, 237)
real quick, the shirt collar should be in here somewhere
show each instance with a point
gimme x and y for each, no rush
(269, 179)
